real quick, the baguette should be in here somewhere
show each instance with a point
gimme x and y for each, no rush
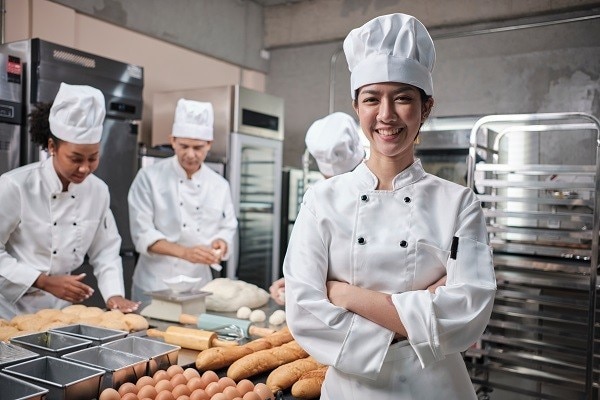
(220, 357)
(265, 360)
(309, 384)
(286, 375)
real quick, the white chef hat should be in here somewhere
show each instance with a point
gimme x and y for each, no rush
(334, 143)
(193, 120)
(390, 48)
(77, 114)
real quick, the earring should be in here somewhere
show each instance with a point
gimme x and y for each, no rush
(417, 140)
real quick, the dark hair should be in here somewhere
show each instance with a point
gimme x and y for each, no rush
(39, 127)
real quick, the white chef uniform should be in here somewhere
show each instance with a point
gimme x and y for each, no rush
(396, 242)
(165, 204)
(43, 229)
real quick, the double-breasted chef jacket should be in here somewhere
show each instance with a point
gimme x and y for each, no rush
(46, 230)
(397, 242)
(165, 204)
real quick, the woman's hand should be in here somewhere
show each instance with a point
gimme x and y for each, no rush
(65, 287)
(277, 290)
(338, 293)
(122, 304)
(201, 255)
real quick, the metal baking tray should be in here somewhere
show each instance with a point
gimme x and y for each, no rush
(95, 334)
(17, 389)
(12, 354)
(160, 355)
(50, 343)
(64, 380)
(119, 367)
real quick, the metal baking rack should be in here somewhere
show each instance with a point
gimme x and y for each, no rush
(538, 186)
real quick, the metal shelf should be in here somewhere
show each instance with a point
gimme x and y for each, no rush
(539, 185)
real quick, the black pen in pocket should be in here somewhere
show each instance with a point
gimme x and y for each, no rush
(454, 248)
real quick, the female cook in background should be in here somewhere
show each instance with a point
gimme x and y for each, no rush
(334, 143)
(54, 212)
(367, 244)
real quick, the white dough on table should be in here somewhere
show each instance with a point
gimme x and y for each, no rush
(258, 316)
(244, 312)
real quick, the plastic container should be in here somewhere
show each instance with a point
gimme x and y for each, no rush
(50, 343)
(17, 389)
(160, 355)
(64, 380)
(94, 334)
(119, 367)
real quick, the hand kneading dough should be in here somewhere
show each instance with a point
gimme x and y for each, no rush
(229, 295)
(244, 312)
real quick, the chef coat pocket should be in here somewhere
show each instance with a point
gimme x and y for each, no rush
(210, 215)
(473, 263)
(430, 265)
(85, 233)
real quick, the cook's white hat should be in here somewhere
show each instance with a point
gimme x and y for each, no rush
(77, 114)
(193, 120)
(334, 143)
(390, 48)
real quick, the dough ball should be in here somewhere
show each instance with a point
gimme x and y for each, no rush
(32, 324)
(51, 325)
(90, 312)
(112, 314)
(4, 322)
(229, 295)
(94, 321)
(135, 322)
(20, 318)
(257, 316)
(6, 332)
(243, 312)
(48, 313)
(277, 318)
(117, 324)
(74, 309)
(66, 318)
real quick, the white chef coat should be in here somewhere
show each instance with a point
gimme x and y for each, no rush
(395, 242)
(46, 230)
(165, 204)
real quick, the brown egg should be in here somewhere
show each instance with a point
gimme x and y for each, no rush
(190, 373)
(181, 390)
(163, 385)
(178, 379)
(244, 386)
(164, 395)
(219, 396)
(195, 383)
(109, 394)
(210, 376)
(183, 398)
(199, 394)
(127, 387)
(225, 382)
(231, 392)
(251, 396)
(161, 375)
(263, 391)
(129, 396)
(212, 389)
(145, 381)
(147, 392)
(174, 370)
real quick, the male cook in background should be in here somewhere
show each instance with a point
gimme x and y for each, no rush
(181, 214)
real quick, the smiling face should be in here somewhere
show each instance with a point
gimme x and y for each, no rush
(191, 153)
(74, 162)
(390, 115)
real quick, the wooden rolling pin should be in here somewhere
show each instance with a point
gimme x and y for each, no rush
(210, 322)
(190, 338)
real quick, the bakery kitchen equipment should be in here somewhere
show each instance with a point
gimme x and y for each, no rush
(167, 305)
(213, 322)
(190, 338)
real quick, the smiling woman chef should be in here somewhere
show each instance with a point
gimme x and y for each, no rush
(368, 243)
(54, 212)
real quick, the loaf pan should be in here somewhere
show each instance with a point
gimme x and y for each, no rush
(119, 367)
(50, 343)
(64, 380)
(17, 389)
(94, 334)
(12, 354)
(159, 355)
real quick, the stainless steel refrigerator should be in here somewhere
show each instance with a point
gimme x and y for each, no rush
(32, 71)
(248, 138)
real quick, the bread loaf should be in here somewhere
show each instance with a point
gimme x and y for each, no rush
(221, 357)
(309, 384)
(265, 360)
(286, 375)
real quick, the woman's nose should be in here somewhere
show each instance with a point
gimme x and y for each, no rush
(387, 112)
